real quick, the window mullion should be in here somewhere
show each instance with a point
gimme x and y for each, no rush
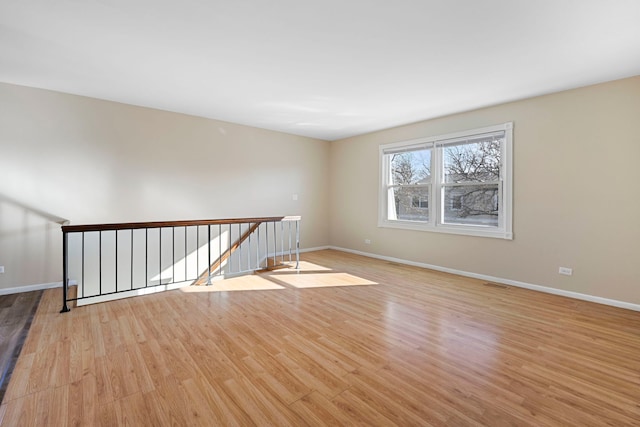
(471, 183)
(437, 178)
(500, 204)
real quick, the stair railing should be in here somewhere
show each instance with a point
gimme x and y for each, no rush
(111, 261)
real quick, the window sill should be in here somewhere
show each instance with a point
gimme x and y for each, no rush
(449, 229)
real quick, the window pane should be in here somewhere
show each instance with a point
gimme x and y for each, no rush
(471, 205)
(411, 203)
(412, 167)
(475, 162)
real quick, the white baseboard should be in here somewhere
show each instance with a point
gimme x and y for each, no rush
(286, 253)
(539, 288)
(38, 287)
(319, 248)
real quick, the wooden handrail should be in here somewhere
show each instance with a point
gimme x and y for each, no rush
(115, 248)
(162, 224)
(203, 278)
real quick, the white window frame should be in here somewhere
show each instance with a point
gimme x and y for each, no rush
(436, 202)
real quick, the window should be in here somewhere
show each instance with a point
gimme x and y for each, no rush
(456, 183)
(409, 183)
(456, 203)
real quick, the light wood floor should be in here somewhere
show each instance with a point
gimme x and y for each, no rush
(348, 341)
(16, 315)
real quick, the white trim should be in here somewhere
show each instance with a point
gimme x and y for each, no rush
(465, 230)
(38, 287)
(411, 145)
(516, 283)
(449, 137)
(319, 248)
(293, 252)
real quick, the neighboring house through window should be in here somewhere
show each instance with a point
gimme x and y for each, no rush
(456, 203)
(455, 183)
(420, 202)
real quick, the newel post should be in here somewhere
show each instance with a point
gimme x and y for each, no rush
(65, 278)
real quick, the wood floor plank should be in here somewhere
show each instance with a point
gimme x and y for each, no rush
(261, 407)
(347, 340)
(159, 413)
(89, 410)
(75, 404)
(15, 415)
(170, 399)
(134, 411)
(359, 410)
(318, 410)
(378, 396)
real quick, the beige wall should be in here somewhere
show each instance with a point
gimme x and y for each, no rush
(93, 161)
(576, 194)
(576, 191)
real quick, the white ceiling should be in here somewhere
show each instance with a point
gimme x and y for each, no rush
(326, 69)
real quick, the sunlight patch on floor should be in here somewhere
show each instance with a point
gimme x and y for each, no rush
(309, 266)
(243, 283)
(321, 280)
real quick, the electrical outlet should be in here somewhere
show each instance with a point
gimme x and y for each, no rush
(565, 271)
(367, 241)
(1, 269)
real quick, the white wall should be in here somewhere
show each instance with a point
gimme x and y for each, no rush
(576, 194)
(94, 161)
